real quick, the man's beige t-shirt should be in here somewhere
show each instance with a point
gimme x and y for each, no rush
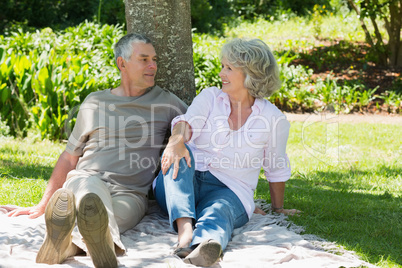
(119, 138)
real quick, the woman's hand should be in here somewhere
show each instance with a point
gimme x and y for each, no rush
(257, 210)
(289, 212)
(174, 152)
(32, 212)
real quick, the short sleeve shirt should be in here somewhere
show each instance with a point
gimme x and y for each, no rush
(120, 138)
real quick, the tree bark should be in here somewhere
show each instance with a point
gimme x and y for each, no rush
(363, 25)
(168, 24)
(394, 33)
(393, 56)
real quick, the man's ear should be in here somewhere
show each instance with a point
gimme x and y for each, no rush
(120, 63)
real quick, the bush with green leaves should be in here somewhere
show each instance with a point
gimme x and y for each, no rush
(4, 129)
(59, 14)
(44, 75)
(207, 63)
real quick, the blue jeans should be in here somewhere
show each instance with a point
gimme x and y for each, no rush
(199, 195)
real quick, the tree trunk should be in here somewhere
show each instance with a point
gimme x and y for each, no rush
(394, 33)
(393, 23)
(362, 24)
(168, 24)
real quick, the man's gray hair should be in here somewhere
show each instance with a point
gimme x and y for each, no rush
(258, 64)
(124, 47)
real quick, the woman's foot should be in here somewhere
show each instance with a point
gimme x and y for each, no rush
(205, 254)
(185, 231)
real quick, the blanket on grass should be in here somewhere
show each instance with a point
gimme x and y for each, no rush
(266, 241)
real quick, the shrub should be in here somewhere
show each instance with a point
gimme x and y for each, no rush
(46, 74)
(59, 14)
(4, 129)
(207, 63)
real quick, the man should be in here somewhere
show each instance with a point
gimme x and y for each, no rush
(102, 179)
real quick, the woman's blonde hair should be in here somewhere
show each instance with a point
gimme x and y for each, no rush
(258, 64)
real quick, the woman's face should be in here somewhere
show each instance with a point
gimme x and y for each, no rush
(232, 78)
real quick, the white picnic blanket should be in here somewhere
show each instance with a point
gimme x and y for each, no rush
(266, 241)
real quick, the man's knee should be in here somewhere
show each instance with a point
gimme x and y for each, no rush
(128, 211)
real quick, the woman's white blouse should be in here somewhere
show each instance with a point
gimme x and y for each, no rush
(236, 157)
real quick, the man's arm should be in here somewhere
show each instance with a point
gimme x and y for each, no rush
(65, 164)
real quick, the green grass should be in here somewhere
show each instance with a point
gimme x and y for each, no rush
(346, 178)
(25, 167)
(298, 33)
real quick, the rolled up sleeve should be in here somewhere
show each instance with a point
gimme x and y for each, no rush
(276, 163)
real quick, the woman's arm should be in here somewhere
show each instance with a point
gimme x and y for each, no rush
(277, 191)
(175, 149)
(277, 170)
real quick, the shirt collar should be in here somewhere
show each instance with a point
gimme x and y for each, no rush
(223, 97)
(258, 105)
(257, 108)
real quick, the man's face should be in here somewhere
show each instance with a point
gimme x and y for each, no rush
(141, 68)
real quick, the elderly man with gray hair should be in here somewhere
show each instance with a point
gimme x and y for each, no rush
(101, 181)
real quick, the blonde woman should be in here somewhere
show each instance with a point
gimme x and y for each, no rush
(211, 165)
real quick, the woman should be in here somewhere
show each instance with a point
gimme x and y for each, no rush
(218, 149)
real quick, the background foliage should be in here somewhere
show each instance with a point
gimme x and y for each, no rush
(53, 53)
(207, 15)
(211, 16)
(59, 14)
(46, 73)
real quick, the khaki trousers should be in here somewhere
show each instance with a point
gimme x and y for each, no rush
(125, 207)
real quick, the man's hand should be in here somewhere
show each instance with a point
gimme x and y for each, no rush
(174, 152)
(32, 212)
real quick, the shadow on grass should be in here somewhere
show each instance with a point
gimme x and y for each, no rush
(340, 180)
(334, 209)
(19, 170)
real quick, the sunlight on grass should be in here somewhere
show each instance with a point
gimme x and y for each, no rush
(25, 167)
(352, 194)
(346, 178)
(298, 32)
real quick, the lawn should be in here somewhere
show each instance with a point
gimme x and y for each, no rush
(346, 178)
(25, 167)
